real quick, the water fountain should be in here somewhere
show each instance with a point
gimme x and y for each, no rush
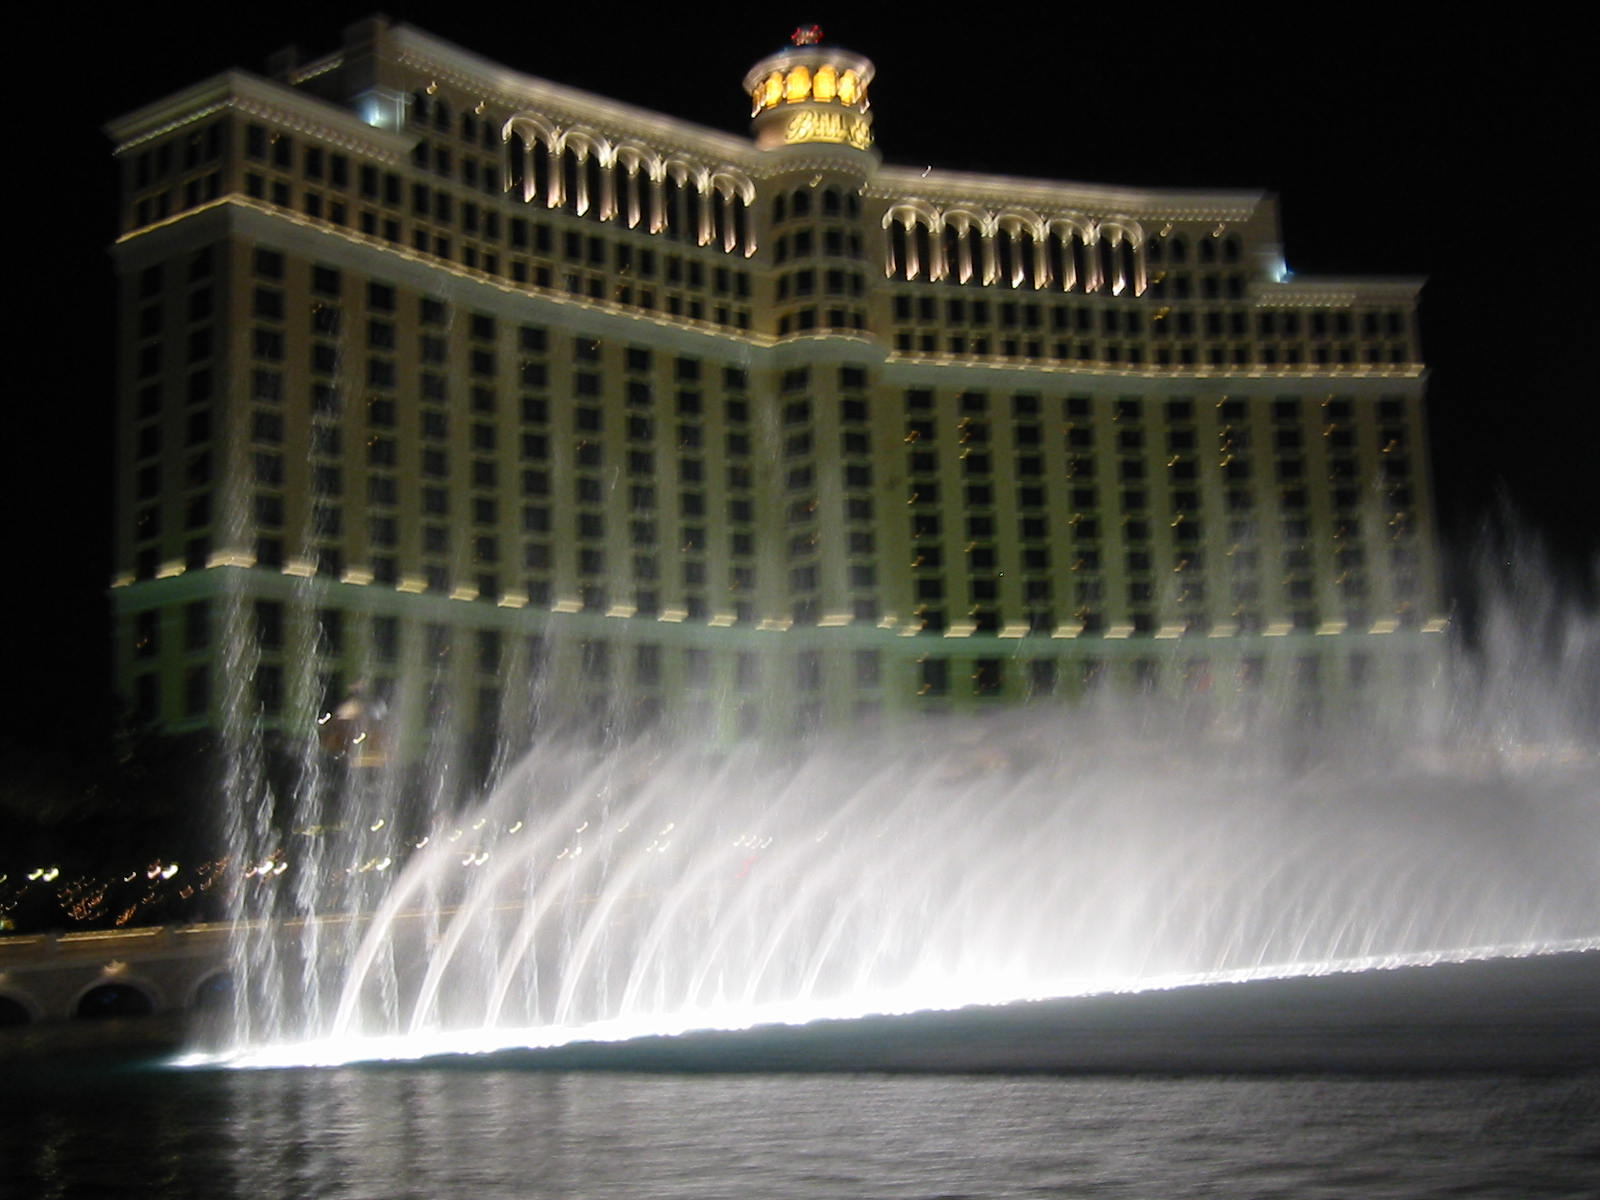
(604, 892)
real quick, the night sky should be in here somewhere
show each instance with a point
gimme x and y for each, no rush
(1450, 151)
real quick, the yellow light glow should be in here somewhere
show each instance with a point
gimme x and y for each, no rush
(849, 87)
(826, 84)
(798, 85)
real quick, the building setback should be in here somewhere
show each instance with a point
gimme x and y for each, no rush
(473, 387)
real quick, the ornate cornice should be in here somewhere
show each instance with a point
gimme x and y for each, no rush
(262, 98)
(511, 90)
(959, 189)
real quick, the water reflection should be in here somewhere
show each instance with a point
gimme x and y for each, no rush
(438, 1133)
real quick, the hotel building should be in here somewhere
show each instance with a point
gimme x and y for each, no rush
(474, 387)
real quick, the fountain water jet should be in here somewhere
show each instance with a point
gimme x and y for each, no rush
(1121, 844)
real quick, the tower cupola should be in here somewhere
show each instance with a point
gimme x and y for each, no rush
(809, 92)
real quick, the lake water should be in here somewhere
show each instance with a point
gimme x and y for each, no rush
(90, 1128)
(1465, 1080)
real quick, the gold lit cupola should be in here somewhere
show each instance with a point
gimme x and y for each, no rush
(808, 93)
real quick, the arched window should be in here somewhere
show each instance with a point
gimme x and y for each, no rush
(778, 208)
(897, 250)
(825, 85)
(1058, 260)
(652, 213)
(950, 243)
(921, 264)
(441, 115)
(1106, 261)
(1177, 251)
(721, 219)
(517, 165)
(571, 180)
(529, 163)
(544, 174)
(967, 266)
(594, 188)
(632, 185)
(743, 235)
(626, 175)
(772, 89)
(1119, 261)
(1027, 260)
(1230, 248)
(800, 203)
(1082, 263)
(831, 202)
(1005, 258)
(675, 209)
(700, 215)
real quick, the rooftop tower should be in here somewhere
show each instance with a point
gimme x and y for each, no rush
(809, 93)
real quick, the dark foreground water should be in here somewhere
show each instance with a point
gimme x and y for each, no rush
(1469, 1080)
(434, 1132)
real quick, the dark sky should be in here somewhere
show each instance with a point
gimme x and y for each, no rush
(1439, 149)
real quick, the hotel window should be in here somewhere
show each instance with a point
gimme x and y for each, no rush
(987, 677)
(267, 344)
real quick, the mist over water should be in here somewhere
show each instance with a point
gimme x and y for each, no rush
(610, 888)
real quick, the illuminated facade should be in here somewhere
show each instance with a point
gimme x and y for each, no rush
(448, 379)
